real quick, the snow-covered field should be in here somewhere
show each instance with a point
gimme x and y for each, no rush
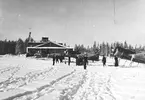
(24, 78)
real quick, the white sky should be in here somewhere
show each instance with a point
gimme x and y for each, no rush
(73, 21)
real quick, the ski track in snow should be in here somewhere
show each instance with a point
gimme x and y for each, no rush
(39, 91)
(16, 82)
(84, 86)
(72, 84)
(12, 71)
(65, 82)
(96, 87)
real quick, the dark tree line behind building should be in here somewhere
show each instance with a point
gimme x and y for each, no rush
(104, 48)
(7, 47)
(13, 47)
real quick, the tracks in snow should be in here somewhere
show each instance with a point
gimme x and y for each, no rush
(39, 91)
(16, 82)
(76, 85)
(82, 85)
(72, 85)
(12, 71)
(96, 87)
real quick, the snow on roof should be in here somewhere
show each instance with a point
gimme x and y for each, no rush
(43, 43)
(49, 48)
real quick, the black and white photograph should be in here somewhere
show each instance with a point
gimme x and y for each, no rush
(72, 49)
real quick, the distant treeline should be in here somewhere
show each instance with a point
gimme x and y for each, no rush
(7, 47)
(13, 47)
(105, 48)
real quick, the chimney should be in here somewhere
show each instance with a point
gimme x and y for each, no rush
(44, 39)
(60, 43)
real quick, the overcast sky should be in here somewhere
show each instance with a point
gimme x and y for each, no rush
(74, 21)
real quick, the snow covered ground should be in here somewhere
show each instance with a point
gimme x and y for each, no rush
(24, 78)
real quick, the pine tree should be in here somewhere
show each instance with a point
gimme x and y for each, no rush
(82, 48)
(108, 49)
(102, 48)
(26, 43)
(76, 48)
(88, 49)
(125, 45)
(19, 46)
(95, 49)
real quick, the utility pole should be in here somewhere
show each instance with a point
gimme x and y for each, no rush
(114, 11)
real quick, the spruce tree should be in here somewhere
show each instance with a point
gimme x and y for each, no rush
(19, 46)
(125, 45)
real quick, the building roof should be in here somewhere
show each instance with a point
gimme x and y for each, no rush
(49, 48)
(48, 45)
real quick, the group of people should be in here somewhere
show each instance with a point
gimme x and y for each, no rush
(104, 61)
(82, 60)
(57, 58)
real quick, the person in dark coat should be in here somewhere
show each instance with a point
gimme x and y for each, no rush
(104, 60)
(57, 61)
(69, 60)
(77, 60)
(61, 59)
(85, 62)
(53, 60)
(116, 61)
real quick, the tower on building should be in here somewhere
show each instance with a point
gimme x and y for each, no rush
(30, 39)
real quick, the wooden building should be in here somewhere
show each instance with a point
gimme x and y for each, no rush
(46, 47)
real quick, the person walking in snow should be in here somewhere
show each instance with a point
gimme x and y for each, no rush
(116, 61)
(77, 62)
(69, 60)
(85, 61)
(104, 60)
(57, 61)
(53, 59)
